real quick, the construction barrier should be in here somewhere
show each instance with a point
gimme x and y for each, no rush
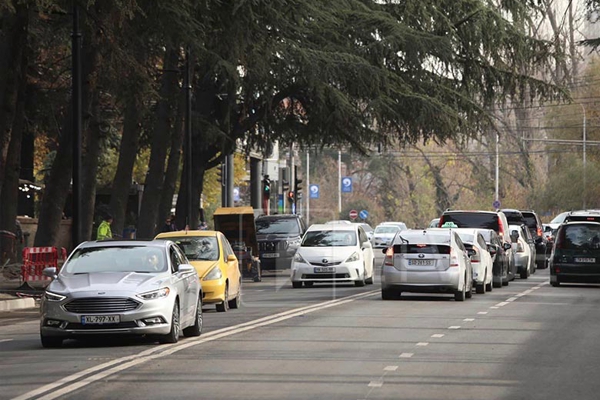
(36, 259)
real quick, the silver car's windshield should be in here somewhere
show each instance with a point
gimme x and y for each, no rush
(387, 229)
(329, 238)
(140, 259)
(198, 248)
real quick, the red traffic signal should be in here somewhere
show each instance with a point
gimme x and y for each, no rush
(290, 196)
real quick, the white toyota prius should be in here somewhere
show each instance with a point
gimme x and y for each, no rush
(333, 253)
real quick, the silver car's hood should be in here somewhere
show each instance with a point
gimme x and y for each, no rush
(107, 282)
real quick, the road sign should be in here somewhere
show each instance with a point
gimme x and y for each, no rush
(353, 214)
(364, 214)
(346, 184)
(314, 191)
(496, 204)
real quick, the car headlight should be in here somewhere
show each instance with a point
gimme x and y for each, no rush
(214, 274)
(155, 294)
(354, 257)
(54, 296)
(294, 243)
(298, 258)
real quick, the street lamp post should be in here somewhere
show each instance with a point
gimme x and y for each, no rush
(584, 191)
(77, 127)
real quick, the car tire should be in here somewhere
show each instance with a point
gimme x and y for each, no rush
(460, 295)
(389, 294)
(489, 286)
(555, 284)
(296, 285)
(173, 335)
(235, 303)
(224, 306)
(50, 342)
(497, 283)
(196, 329)
(480, 289)
(361, 282)
(524, 274)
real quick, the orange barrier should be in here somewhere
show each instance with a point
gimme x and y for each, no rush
(35, 259)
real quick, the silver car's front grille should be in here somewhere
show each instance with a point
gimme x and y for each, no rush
(101, 305)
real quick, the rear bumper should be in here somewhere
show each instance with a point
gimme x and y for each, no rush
(574, 273)
(426, 281)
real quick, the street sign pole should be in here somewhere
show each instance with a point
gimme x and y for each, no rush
(308, 186)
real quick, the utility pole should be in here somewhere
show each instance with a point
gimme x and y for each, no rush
(188, 137)
(339, 182)
(77, 126)
(584, 158)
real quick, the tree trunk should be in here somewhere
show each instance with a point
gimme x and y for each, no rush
(58, 184)
(197, 187)
(147, 224)
(14, 28)
(172, 172)
(93, 143)
(130, 138)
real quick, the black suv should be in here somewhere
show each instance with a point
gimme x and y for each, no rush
(542, 247)
(576, 253)
(278, 238)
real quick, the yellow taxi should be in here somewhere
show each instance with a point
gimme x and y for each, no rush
(217, 266)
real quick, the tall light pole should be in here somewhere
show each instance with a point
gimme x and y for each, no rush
(307, 187)
(339, 182)
(584, 191)
(77, 126)
(496, 194)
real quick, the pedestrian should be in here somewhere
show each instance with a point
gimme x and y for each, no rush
(104, 231)
(169, 225)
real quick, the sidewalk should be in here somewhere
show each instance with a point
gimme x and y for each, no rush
(12, 295)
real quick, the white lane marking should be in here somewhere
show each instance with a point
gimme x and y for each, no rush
(519, 295)
(165, 350)
(377, 383)
(482, 312)
(469, 319)
(511, 299)
(5, 340)
(454, 327)
(437, 335)
(422, 344)
(502, 304)
(391, 368)
(535, 287)
(494, 308)
(406, 355)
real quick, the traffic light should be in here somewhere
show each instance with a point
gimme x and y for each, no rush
(285, 186)
(290, 196)
(298, 188)
(266, 187)
(220, 173)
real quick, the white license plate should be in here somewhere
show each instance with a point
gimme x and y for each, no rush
(421, 263)
(270, 255)
(585, 260)
(100, 319)
(324, 269)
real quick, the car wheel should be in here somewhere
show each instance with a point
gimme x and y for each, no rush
(173, 335)
(389, 294)
(369, 281)
(480, 289)
(461, 294)
(51, 342)
(224, 306)
(237, 301)
(497, 282)
(296, 285)
(489, 286)
(196, 329)
(309, 284)
(361, 282)
(555, 284)
(524, 274)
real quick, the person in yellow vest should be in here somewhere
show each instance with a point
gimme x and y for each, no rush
(104, 231)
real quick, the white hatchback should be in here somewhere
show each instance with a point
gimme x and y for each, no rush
(333, 253)
(429, 261)
(481, 259)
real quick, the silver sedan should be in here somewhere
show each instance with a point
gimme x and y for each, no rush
(122, 287)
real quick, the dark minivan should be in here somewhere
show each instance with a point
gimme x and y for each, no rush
(576, 254)
(278, 239)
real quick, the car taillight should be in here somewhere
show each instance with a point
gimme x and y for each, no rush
(389, 257)
(453, 258)
(500, 228)
(539, 231)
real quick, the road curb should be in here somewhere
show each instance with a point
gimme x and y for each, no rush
(17, 304)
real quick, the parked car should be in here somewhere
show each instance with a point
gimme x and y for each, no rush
(385, 232)
(559, 219)
(576, 254)
(514, 217)
(333, 253)
(500, 255)
(542, 247)
(427, 261)
(523, 250)
(278, 239)
(434, 223)
(368, 229)
(481, 259)
(216, 264)
(122, 287)
(495, 220)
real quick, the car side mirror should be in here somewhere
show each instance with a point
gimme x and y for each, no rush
(366, 245)
(231, 258)
(185, 268)
(507, 246)
(492, 249)
(50, 272)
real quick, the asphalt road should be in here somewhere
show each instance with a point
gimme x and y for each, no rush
(525, 341)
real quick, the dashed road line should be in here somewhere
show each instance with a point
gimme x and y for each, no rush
(377, 383)
(468, 319)
(437, 335)
(6, 340)
(391, 368)
(482, 312)
(454, 327)
(502, 304)
(406, 355)
(422, 344)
